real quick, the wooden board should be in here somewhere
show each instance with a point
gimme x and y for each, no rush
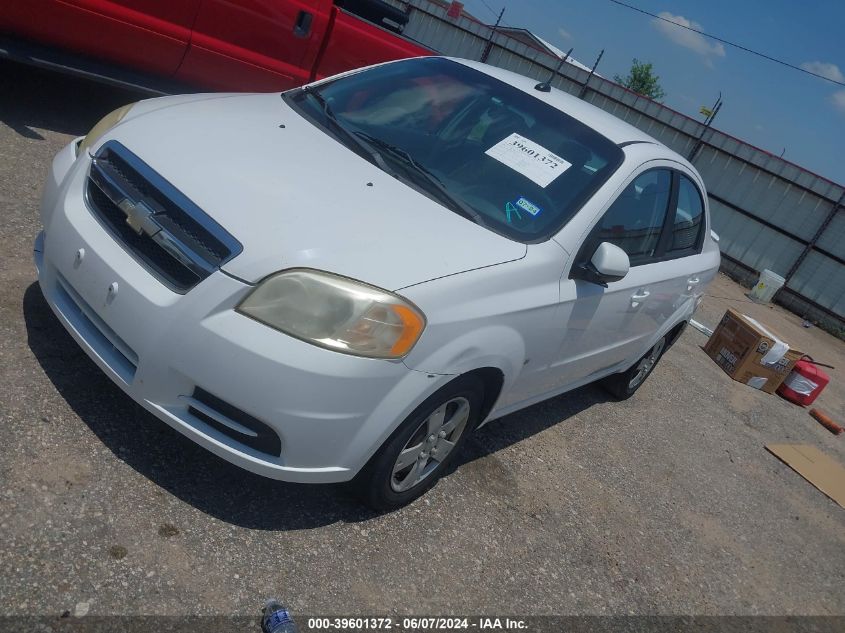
(819, 469)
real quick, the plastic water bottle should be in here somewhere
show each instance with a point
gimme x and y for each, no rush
(276, 619)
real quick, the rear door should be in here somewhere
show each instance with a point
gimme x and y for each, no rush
(688, 264)
(148, 35)
(606, 326)
(255, 44)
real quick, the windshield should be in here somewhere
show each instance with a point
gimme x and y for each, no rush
(485, 149)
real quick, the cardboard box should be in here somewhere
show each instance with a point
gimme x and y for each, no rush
(739, 345)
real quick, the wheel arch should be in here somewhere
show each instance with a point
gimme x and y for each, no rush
(675, 333)
(493, 380)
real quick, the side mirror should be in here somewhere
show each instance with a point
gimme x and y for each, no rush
(608, 263)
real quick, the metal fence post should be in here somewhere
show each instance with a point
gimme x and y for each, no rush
(816, 237)
(489, 45)
(700, 142)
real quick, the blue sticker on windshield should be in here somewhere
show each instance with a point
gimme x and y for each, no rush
(513, 209)
(528, 206)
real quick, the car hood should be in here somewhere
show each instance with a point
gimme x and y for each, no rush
(295, 197)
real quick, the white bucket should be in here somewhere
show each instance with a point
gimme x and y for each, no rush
(768, 284)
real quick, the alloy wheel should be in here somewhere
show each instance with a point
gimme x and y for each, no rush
(430, 444)
(647, 363)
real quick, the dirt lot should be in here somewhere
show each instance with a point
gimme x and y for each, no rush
(667, 503)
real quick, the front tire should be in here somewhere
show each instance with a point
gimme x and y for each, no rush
(421, 449)
(625, 384)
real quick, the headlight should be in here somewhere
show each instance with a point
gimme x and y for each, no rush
(337, 313)
(103, 126)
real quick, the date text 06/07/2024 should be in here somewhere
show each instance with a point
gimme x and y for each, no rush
(416, 624)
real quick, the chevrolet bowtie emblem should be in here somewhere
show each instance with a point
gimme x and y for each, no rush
(139, 216)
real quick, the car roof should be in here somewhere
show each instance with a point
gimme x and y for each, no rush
(604, 123)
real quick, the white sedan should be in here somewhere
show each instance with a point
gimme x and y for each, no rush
(342, 281)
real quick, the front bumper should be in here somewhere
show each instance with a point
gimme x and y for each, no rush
(331, 411)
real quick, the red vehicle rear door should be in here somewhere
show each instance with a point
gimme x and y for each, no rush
(149, 35)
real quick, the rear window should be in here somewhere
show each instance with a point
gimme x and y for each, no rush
(689, 216)
(525, 167)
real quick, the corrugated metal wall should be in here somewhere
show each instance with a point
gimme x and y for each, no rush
(768, 212)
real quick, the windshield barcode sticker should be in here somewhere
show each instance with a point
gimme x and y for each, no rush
(532, 208)
(528, 158)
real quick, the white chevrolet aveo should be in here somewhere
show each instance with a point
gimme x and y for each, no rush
(341, 282)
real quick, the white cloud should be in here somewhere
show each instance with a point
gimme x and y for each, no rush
(564, 33)
(838, 99)
(830, 71)
(686, 38)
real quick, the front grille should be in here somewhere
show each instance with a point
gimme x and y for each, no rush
(233, 422)
(155, 222)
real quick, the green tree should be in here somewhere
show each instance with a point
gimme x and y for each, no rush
(642, 80)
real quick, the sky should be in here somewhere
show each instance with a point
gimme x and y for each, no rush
(771, 106)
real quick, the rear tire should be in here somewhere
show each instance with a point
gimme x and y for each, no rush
(422, 448)
(626, 383)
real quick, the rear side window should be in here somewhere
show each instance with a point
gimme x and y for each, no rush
(689, 217)
(635, 220)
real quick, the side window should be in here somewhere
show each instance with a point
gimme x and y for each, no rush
(689, 217)
(635, 220)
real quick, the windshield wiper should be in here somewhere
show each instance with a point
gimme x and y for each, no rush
(430, 177)
(340, 129)
(365, 142)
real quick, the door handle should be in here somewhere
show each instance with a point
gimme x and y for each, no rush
(302, 28)
(638, 297)
(691, 282)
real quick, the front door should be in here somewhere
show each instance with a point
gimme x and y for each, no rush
(254, 44)
(605, 326)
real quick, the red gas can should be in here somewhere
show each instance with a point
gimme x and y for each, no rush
(805, 382)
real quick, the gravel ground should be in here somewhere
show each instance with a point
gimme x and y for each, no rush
(667, 503)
